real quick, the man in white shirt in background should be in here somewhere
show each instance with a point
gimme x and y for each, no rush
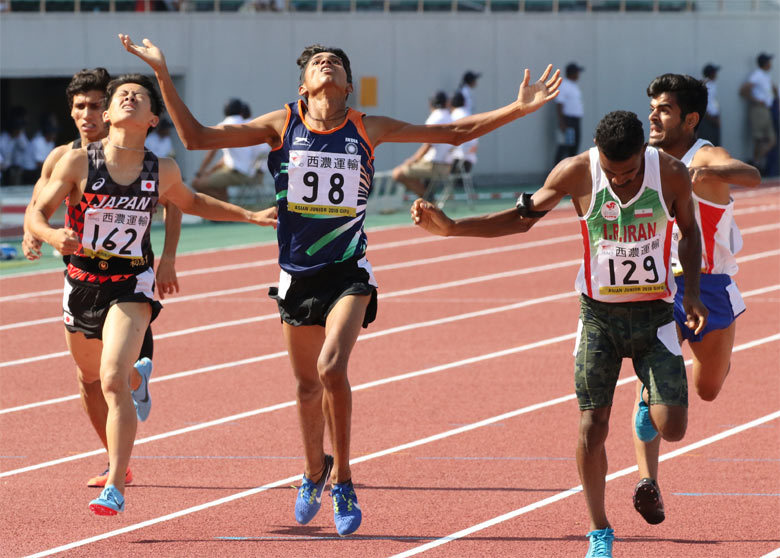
(431, 160)
(464, 156)
(760, 93)
(570, 112)
(43, 141)
(709, 129)
(467, 86)
(159, 140)
(237, 167)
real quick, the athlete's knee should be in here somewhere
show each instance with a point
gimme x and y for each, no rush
(673, 428)
(332, 369)
(594, 428)
(88, 378)
(308, 388)
(708, 386)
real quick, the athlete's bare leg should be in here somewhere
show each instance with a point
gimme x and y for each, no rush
(712, 361)
(592, 463)
(304, 344)
(342, 328)
(86, 354)
(123, 335)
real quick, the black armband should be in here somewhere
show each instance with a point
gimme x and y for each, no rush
(524, 205)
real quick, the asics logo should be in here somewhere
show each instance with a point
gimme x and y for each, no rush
(98, 183)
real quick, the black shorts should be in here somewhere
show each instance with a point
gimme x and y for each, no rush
(85, 305)
(308, 300)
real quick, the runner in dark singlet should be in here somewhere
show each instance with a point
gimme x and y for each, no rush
(86, 94)
(110, 281)
(322, 162)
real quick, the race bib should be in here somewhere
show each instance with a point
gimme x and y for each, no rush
(637, 267)
(323, 183)
(112, 233)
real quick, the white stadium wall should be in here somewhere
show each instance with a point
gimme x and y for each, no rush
(252, 56)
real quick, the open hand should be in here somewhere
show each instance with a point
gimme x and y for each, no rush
(536, 95)
(148, 52)
(429, 217)
(266, 217)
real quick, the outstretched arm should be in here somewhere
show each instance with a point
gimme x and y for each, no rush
(715, 163)
(172, 188)
(263, 129)
(509, 221)
(530, 98)
(689, 245)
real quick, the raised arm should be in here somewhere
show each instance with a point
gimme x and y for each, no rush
(519, 219)
(263, 129)
(715, 163)
(675, 177)
(172, 188)
(65, 180)
(529, 99)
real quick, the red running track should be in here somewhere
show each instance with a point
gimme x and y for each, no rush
(464, 416)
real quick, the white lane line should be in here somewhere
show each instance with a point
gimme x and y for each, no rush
(410, 242)
(382, 296)
(422, 441)
(286, 404)
(389, 331)
(381, 333)
(577, 489)
(774, 554)
(360, 387)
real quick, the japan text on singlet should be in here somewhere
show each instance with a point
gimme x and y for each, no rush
(720, 237)
(627, 246)
(113, 222)
(322, 183)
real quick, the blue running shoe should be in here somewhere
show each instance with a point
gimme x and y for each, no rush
(141, 398)
(600, 543)
(346, 510)
(110, 502)
(309, 499)
(645, 430)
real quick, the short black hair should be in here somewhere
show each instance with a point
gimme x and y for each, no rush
(311, 50)
(96, 79)
(457, 100)
(144, 81)
(233, 107)
(439, 99)
(689, 92)
(619, 135)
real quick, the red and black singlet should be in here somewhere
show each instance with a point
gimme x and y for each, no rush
(113, 222)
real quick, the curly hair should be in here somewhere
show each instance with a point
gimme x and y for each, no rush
(311, 50)
(689, 92)
(619, 135)
(96, 79)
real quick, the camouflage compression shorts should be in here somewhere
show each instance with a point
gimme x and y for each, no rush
(642, 331)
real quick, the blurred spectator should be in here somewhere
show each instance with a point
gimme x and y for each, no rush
(467, 86)
(237, 166)
(159, 141)
(709, 129)
(430, 160)
(570, 112)
(43, 142)
(760, 93)
(17, 152)
(262, 6)
(464, 156)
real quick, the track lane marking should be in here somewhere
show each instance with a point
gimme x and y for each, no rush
(433, 438)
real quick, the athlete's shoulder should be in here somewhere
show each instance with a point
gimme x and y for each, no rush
(670, 165)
